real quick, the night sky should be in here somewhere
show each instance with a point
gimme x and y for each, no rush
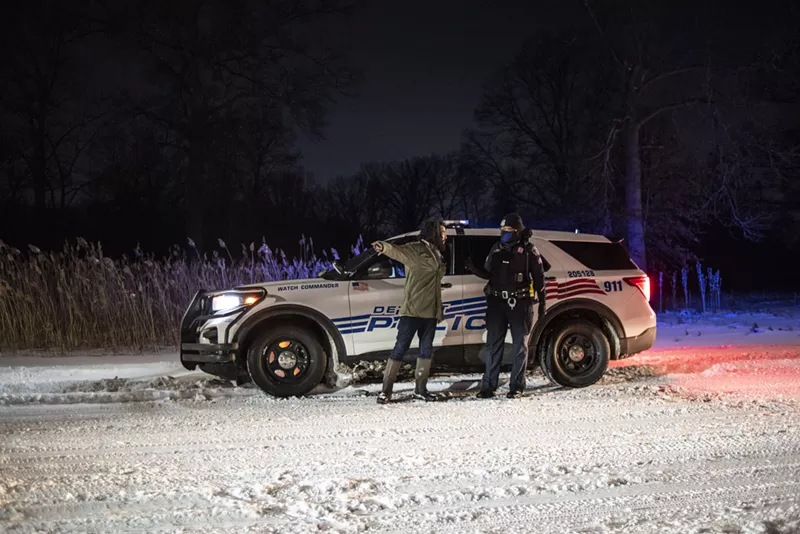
(127, 151)
(424, 64)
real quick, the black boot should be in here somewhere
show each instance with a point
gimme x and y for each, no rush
(421, 376)
(389, 376)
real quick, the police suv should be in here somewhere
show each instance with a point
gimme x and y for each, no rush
(289, 336)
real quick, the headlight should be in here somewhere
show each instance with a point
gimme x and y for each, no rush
(235, 299)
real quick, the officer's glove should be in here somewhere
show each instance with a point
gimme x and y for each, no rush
(469, 265)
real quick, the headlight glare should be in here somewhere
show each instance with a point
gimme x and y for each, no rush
(234, 299)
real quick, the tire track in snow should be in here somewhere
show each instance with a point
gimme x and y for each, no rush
(244, 464)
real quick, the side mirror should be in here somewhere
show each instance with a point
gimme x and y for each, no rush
(380, 270)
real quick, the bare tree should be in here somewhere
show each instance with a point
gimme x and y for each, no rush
(359, 201)
(265, 146)
(407, 192)
(539, 121)
(661, 53)
(213, 62)
(44, 102)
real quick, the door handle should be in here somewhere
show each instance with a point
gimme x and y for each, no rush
(447, 285)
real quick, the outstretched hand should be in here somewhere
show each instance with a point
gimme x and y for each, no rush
(377, 245)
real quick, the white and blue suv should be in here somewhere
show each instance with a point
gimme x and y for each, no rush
(290, 336)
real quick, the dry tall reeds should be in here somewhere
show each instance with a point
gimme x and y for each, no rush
(79, 298)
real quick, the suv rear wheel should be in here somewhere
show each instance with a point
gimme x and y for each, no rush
(576, 354)
(286, 361)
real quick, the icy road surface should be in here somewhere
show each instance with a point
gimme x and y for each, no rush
(680, 439)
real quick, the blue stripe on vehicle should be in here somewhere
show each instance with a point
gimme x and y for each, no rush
(470, 313)
(358, 323)
(346, 331)
(465, 307)
(347, 319)
(465, 301)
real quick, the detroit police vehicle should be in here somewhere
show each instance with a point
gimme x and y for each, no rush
(289, 336)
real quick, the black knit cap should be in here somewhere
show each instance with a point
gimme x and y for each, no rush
(513, 220)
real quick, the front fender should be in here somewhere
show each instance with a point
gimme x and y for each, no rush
(279, 310)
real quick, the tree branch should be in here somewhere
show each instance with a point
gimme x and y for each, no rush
(671, 107)
(668, 74)
(602, 33)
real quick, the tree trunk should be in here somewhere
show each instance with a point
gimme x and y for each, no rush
(195, 196)
(633, 195)
(39, 167)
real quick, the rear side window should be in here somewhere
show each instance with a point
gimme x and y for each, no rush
(598, 256)
(477, 249)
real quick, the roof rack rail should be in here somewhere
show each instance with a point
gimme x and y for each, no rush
(462, 223)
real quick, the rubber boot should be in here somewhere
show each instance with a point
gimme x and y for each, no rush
(389, 377)
(421, 376)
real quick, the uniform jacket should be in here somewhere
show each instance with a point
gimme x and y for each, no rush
(508, 268)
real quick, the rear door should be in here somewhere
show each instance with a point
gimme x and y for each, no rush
(477, 248)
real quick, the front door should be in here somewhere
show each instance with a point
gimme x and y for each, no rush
(376, 294)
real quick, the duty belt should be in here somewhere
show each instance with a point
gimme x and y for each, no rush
(523, 293)
(512, 296)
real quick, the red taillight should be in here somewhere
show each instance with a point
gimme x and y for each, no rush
(643, 283)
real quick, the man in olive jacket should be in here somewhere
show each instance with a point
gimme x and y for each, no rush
(422, 309)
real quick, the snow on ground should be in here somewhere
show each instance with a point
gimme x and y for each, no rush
(697, 435)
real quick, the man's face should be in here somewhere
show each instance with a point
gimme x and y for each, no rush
(443, 233)
(507, 228)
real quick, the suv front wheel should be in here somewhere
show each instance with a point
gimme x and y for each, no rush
(286, 361)
(576, 354)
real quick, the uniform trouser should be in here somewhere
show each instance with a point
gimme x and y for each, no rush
(499, 316)
(424, 328)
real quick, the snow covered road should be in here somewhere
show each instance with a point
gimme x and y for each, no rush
(659, 446)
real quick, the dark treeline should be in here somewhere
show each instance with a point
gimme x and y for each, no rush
(673, 125)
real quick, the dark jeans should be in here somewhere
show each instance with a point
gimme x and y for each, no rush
(498, 318)
(406, 328)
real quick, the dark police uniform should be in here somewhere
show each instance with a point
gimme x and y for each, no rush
(516, 283)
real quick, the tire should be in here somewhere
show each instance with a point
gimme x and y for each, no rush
(542, 358)
(580, 367)
(286, 361)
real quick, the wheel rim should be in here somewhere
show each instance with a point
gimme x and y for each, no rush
(577, 355)
(287, 360)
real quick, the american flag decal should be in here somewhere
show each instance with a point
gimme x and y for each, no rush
(573, 288)
(360, 286)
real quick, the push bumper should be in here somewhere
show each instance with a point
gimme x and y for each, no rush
(192, 352)
(635, 345)
(208, 352)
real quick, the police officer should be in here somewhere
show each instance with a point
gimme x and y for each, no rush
(515, 273)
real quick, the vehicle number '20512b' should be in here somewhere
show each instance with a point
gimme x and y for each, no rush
(579, 274)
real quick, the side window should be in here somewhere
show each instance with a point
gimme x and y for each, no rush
(598, 256)
(477, 249)
(398, 269)
(382, 267)
(474, 247)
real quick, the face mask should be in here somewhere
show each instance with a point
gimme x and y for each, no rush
(507, 237)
